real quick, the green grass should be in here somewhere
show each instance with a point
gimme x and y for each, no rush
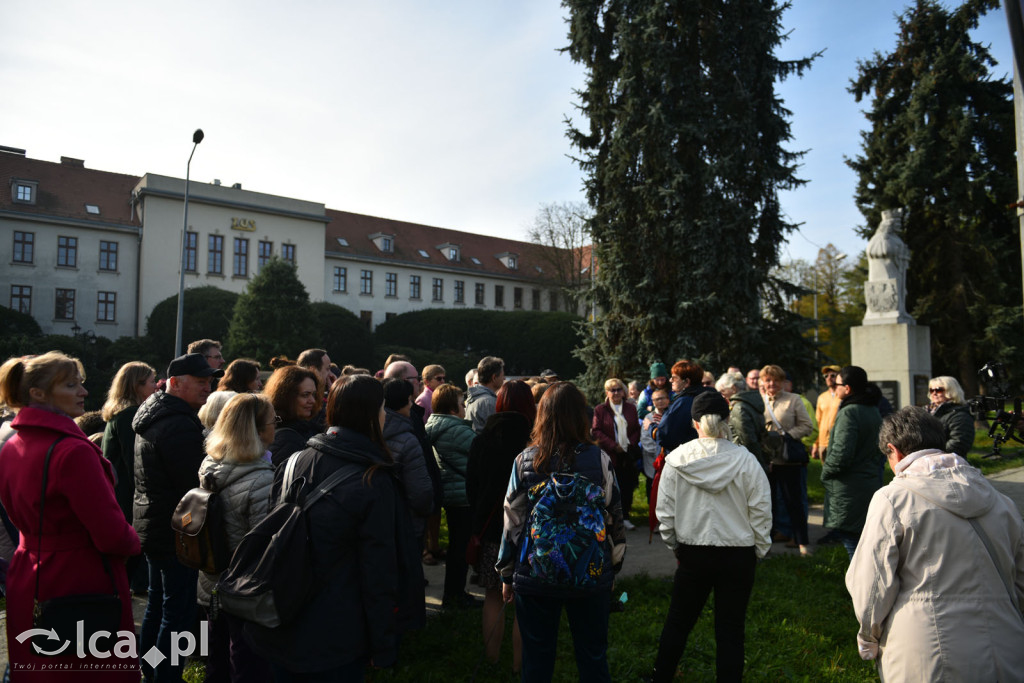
(800, 626)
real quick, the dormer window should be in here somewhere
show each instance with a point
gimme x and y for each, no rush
(510, 260)
(24, 191)
(386, 243)
(450, 251)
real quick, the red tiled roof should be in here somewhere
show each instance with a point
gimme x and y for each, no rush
(410, 238)
(65, 188)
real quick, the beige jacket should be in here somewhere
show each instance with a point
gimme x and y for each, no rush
(790, 412)
(926, 592)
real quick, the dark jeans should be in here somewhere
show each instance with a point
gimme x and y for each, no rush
(171, 609)
(780, 518)
(459, 521)
(588, 622)
(230, 658)
(848, 540)
(730, 573)
(785, 483)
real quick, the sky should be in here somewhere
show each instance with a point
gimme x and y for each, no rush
(449, 113)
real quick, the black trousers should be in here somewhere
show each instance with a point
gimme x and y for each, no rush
(455, 567)
(785, 481)
(729, 571)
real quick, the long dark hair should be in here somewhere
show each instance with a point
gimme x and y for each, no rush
(516, 396)
(354, 403)
(561, 426)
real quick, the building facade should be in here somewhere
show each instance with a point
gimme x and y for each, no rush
(95, 251)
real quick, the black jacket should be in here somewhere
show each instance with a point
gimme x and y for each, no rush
(365, 557)
(491, 456)
(291, 437)
(168, 452)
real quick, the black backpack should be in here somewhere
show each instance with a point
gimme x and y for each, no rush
(199, 538)
(270, 576)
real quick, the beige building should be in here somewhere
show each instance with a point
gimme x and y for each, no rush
(96, 251)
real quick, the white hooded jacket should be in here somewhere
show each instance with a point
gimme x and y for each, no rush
(714, 493)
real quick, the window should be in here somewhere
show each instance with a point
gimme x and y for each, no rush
(479, 294)
(536, 299)
(390, 284)
(340, 279)
(24, 192)
(414, 286)
(106, 306)
(517, 297)
(460, 292)
(438, 289)
(264, 250)
(108, 255)
(24, 246)
(21, 298)
(191, 249)
(64, 308)
(453, 254)
(215, 261)
(67, 252)
(288, 253)
(386, 245)
(554, 300)
(241, 265)
(499, 296)
(423, 253)
(366, 282)
(512, 262)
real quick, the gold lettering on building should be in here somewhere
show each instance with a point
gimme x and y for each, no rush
(247, 224)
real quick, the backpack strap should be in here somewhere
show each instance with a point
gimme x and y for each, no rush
(331, 482)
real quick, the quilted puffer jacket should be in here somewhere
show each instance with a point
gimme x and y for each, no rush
(244, 489)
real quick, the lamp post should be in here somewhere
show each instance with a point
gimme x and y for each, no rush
(197, 137)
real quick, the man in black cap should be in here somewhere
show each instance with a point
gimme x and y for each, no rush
(168, 452)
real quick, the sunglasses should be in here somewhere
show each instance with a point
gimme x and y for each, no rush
(936, 390)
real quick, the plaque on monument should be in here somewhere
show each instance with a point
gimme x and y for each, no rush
(890, 390)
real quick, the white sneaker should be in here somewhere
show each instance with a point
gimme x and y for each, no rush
(629, 525)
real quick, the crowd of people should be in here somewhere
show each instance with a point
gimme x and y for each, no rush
(724, 464)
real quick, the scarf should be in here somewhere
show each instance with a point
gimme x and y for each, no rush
(620, 426)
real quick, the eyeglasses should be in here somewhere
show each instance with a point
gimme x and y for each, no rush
(217, 357)
(840, 384)
(615, 390)
(831, 374)
(936, 390)
(277, 421)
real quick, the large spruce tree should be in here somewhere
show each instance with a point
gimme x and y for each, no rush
(273, 317)
(684, 159)
(941, 144)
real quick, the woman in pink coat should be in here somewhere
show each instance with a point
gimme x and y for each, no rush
(82, 522)
(617, 430)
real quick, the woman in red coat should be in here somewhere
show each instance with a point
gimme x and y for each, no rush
(82, 521)
(617, 430)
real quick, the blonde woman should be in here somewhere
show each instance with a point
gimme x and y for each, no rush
(236, 469)
(211, 410)
(132, 385)
(948, 404)
(80, 544)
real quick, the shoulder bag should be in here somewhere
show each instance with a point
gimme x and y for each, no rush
(793, 451)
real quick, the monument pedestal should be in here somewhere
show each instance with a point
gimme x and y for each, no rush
(897, 357)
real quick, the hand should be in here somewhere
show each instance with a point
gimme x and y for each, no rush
(507, 593)
(655, 417)
(814, 451)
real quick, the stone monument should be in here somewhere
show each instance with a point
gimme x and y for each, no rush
(893, 349)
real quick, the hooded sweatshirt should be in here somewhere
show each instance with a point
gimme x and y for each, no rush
(714, 492)
(929, 598)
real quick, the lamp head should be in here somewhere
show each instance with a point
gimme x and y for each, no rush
(197, 137)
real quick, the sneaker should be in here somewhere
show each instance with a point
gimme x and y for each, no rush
(628, 524)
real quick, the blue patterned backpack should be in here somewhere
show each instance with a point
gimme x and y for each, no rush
(565, 541)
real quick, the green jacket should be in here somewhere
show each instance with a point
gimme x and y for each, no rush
(451, 437)
(746, 418)
(852, 470)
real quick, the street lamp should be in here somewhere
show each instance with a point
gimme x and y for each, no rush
(197, 137)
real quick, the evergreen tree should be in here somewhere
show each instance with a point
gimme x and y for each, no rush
(942, 145)
(684, 160)
(273, 316)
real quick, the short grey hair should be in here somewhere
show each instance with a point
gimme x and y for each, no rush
(911, 429)
(954, 392)
(731, 380)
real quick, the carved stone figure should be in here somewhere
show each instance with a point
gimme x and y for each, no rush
(885, 292)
